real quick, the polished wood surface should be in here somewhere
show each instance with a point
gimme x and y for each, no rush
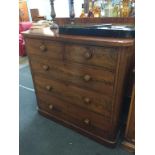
(81, 75)
(122, 20)
(92, 55)
(89, 55)
(47, 34)
(43, 48)
(76, 95)
(93, 78)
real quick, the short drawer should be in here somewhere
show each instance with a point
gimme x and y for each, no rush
(44, 48)
(78, 96)
(92, 55)
(75, 115)
(91, 78)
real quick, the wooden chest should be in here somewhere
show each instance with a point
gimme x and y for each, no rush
(79, 81)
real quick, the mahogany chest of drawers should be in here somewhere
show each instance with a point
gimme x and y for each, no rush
(79, 81)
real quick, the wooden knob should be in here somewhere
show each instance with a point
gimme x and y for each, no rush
(87, 77)
(87, 100)
(51, 106)
(43, 48)
(49, 88)
(87, 121)
(88, 55)
(45, 67)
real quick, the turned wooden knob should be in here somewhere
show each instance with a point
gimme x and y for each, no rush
(45, 67)
(87, 77)
(87, 100)
(87, 121)
(43, 48)
(88, 55)
(48, 87)
(51, 106)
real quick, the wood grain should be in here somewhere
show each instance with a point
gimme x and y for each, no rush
(80, 81)
(99, 56)
(67, 111)
(50, 35)
(76, 95)
(100, 80)
(45, 49)
(122, 20)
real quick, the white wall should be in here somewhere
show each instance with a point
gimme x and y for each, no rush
(78, 7)
(61, 7)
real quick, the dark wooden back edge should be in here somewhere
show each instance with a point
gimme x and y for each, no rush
(116, 20)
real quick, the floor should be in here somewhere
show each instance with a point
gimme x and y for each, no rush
(40, 136)
(23, 61)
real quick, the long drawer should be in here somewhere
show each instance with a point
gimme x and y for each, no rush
(75, 115)
(89, 55)
(78, 96)
(91, 78)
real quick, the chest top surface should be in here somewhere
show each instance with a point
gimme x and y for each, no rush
(46, 33)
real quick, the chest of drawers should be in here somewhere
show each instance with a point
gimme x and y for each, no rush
(80, 81)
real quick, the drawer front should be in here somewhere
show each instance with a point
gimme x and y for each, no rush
(91, 78)
(89, 55)
(86, 120)
(45, 49)
(87, 99)
(97, 56)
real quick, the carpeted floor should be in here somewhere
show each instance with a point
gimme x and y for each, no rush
(23, 61)
(40, 136)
